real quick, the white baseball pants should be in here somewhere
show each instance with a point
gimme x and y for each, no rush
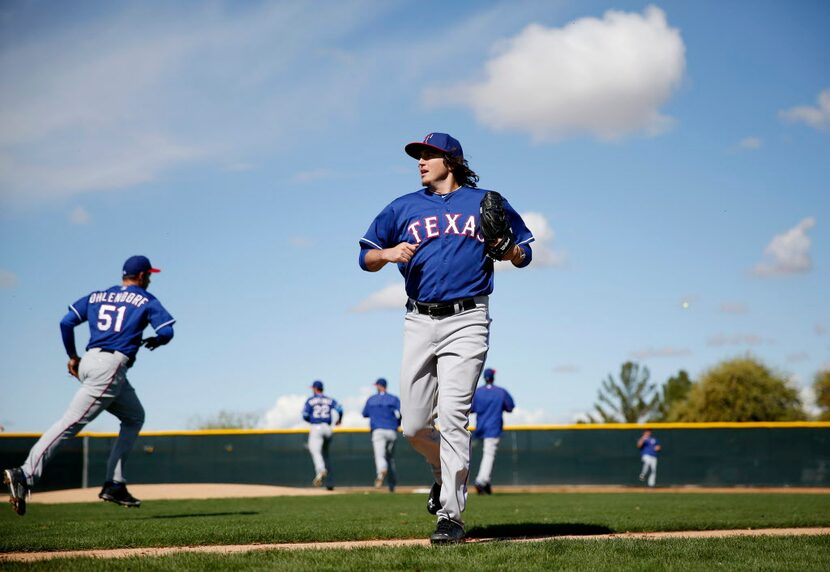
(488, 457)
(650, 468)
(319, 438)
(104, 386)
(442, 361)
(383, 443)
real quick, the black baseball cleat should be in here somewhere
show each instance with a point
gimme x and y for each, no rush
(447, 532)
(18, 489)
(434, 500)
(118, 493)
(488, 490)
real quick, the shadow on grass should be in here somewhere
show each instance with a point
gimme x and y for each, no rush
(535, 530)
(201, 514)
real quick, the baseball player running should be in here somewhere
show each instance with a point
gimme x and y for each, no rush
(649, 447)
(117, 317)
(489, 402)
(384, 412)
(317, 411)
(444, 238)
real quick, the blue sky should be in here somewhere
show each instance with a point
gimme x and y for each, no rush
(662, 153)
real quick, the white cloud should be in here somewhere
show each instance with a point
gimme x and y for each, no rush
(816, 117)
(664, 352)
(544, 253)
(789, 252)
(721, 340)
(522, 416)
(79, 215)
(286, 413)
(751, 143)
(606, 78)
(7, 279)
(391, 296)
(808, 399)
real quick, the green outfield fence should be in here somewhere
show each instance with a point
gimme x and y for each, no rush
(704, 454)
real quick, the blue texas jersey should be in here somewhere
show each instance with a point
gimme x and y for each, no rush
(383, 411)
(488, 403)
(319, 407)
(118, 316)
(649, 447)
(449, 263)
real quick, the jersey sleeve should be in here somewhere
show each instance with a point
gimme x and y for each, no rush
(508, 402)
(158, 317)
(366, 409)
(79, 308)
(521, 233)
(337, 407)
(307, 410)
(380, 233)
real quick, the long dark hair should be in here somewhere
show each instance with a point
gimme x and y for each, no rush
(464, 176)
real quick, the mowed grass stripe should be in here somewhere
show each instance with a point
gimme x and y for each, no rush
(805, 553)
(386, 516)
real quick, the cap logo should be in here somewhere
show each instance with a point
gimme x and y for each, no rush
(428, 137)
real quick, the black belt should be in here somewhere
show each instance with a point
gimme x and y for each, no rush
(442, 309)
(106, 351)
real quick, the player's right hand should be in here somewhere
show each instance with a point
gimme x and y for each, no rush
(72, 367)
(400, 253)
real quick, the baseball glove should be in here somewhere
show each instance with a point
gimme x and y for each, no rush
(494, 226)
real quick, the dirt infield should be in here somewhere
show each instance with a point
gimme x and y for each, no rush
(219, 490)
(237, 548)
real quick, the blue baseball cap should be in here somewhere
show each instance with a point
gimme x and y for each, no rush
(489, 373)
(317, 385)
(439, 141)
(381, 382)
(136, 264)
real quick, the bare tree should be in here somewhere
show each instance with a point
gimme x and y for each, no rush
(631, 400)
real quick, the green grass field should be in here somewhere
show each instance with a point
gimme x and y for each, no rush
(383, 516)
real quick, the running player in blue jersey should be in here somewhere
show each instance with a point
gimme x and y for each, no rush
(489, 402)
(433, 236)
(117, 317)
(384, 412)
(317, 411)
(649, 446)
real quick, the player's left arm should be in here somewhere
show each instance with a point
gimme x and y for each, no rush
(162, 323)
(74, 317)
(508, 402)
(657, 446)
(339, 408)
(522, 253)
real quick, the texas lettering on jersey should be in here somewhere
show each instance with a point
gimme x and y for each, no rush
(434, 226)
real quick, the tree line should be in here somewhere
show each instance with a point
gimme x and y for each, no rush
(739, 389)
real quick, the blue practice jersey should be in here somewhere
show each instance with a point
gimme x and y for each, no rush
(319, 407)
(449, 263)
(489, 402)
(118, 316)
(383, 411)
(649, 447)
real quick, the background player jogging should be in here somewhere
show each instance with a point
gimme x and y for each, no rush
(117, 317)
(444, 252)
(384, 412)
(318, 411)
(489, 403)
